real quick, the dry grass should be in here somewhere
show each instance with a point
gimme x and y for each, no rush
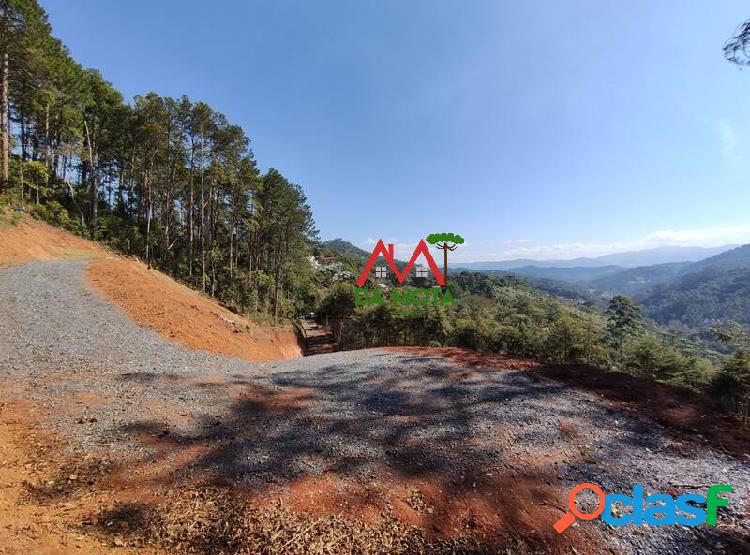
(210, 520)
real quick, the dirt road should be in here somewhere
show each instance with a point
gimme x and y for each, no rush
(363, 451)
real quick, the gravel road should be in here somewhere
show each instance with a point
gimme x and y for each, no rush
(102, 382)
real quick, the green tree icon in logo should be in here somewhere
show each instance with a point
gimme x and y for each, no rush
(445, 242)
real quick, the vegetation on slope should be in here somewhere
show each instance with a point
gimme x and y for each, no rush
(168, 179)
(701, 299)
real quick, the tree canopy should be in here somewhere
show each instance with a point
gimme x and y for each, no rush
(169, 179)
(433, 238)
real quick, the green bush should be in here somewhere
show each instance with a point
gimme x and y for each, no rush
(52, 212)
(732, 385)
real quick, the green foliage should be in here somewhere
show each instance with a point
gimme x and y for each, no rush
(338, 303)
(623, 319)
(346, 248)
(649, 357)
(730, 333)
(711, 294)
(167, 179)
(732, 385)
(573, 339)
(433, 238)
(53, 212)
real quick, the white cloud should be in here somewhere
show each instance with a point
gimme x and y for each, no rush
(704, 237)
(697, 237)
(728, 139)
(528, 248)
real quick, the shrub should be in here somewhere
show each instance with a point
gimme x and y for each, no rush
(52, 212)
(732, 385)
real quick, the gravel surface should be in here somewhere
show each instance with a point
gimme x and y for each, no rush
(360, 414)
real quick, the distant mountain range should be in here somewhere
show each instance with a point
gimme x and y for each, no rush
(629, 259)
(694, 286)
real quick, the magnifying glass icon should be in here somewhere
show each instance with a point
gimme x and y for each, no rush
(569, 518)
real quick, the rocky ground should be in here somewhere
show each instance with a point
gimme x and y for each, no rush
(448, 455)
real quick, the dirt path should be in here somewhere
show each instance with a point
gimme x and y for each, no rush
(149, 297)
(318, 339)
(376, 451)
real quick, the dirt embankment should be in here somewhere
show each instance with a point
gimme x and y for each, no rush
(30, 240)
(183, 315)
(149, 297)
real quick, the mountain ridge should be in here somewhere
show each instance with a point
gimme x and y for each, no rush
(626, 259)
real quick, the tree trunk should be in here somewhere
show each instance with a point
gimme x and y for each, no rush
(191, 232)
(445, 263)
(149, 207)
(4, 142)
(93, 182)
(203, 217)
(47, 145)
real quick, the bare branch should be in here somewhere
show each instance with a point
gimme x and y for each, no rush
(737, 48)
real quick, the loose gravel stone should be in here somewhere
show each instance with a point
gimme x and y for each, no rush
(355, 413)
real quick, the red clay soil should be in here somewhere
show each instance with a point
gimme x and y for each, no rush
(157, 302)
(30, 239)
(466, 358)
(497, 506)
(149, 297)
(29, 456)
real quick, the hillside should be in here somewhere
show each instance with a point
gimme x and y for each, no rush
(701, 298)
(25, 239)
(631, 281)
(736, 258)
(149, 297)
(682, 294)
(699, 294)
(346, 248)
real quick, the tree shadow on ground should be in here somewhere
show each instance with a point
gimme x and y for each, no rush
(363, 440)
(342, 439)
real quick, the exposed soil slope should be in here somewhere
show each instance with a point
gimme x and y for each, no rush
(181, 314)
(151, 298)
(30, 240)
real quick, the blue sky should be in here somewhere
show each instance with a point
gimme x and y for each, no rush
(541, 129)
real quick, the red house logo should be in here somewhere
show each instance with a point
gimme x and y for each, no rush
(387, 253)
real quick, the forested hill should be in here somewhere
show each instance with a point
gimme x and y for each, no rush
(700, 299)
(632, 281)
(347, 249)
(168, 179)
(735, 258)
